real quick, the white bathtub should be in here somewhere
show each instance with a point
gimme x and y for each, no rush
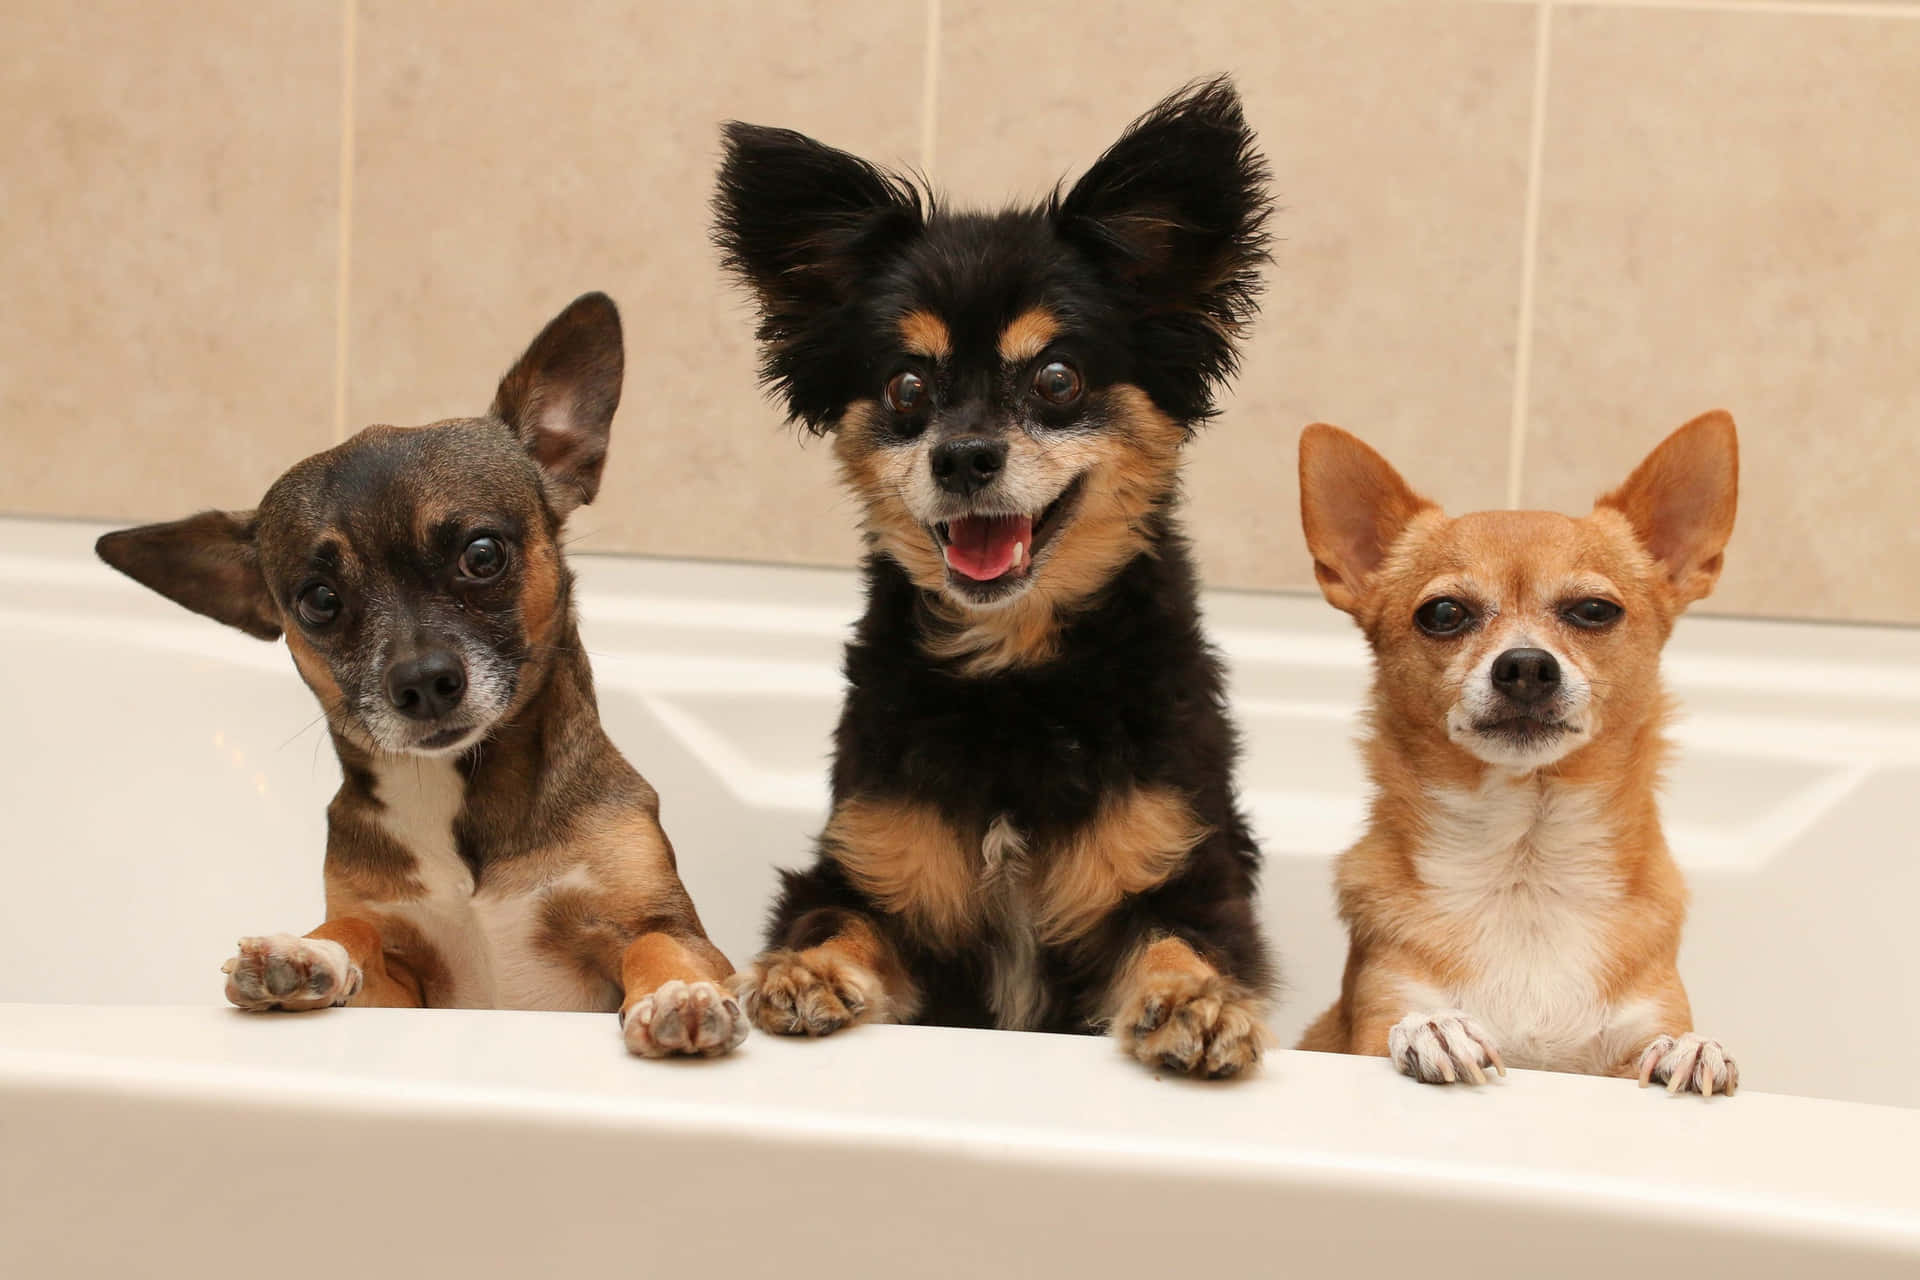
(162, 782)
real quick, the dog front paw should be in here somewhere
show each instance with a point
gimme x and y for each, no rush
(697, 1018)
(294, 974)
(812, 993)
(1690, 1064)
(1193, 1023)
(1442, 1048)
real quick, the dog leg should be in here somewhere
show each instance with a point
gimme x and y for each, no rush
(853, 976)
(339, 963)
(675, 1002)
(1172, 1010)
(1689, 1063)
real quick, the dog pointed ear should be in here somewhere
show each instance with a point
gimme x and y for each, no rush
(209, 563)
(1354, 507)
(1176, 212)
(801, 224)
(560, 396)
(1680, 501)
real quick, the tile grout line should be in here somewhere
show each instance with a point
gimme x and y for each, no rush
(344, 248)
(1529, 255)
(930, 88)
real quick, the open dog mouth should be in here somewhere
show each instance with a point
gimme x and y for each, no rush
(991, 550)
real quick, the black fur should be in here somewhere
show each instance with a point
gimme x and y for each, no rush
(1154, 253)
(1150, 265)
(1135, 699)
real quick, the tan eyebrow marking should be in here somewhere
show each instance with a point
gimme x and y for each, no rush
(925, 334)
(1028, 335)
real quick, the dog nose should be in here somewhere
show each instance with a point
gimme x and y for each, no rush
(1526, 675)
(426, 687)
(967, 465)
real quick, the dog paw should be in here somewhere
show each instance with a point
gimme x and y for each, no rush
(697, 1018)
(295, 974)
(1192, 1023)
(807, 993)
(1690, 1064)
(1442, 1048)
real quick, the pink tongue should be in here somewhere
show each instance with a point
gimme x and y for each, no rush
(981, 547)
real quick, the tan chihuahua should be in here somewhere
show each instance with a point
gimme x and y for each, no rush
(1513, 900)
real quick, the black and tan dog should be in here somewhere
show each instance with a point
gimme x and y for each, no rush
(489, 847)
(1034, 823)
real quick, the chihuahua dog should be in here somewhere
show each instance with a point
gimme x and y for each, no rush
(1033, 822)
(1513, 900)
(489, 847)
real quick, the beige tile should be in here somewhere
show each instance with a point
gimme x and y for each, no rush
(1398, 139)
(525, 154)
(1729, 219)
(170, 199)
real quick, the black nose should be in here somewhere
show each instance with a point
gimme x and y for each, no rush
(1526, 675)
(426, 687)
(967, 465)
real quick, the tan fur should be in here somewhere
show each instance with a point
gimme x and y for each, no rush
(1170, 1008)
(1380, 551)
(910, 861)
(1130, 470)
(384, 985)
(877, 474)
(1139, 839)
(1027, 335)
(654, 959)
(313, 669)
(925, 334)
(854, 976)
(915, 865)
(540, 591)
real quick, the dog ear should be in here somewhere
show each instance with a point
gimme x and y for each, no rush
(560, 396)
(1680, 501)
(1354, 507)
(801, 224)
(1176, 212)
(208, 562)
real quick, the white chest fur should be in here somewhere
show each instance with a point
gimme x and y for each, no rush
(1524, 875)
(486, 940)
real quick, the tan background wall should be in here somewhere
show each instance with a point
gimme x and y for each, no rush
(1520, 242)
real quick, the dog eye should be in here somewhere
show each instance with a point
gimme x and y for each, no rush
(1443, 617)
(1592, 613)
(318, 605)
(1058, 383)
(906, 393)
(484, 558)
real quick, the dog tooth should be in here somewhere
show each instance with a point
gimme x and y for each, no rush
(1019, 554)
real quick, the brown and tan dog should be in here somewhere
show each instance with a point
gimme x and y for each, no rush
(1513, 900)
(489, 847)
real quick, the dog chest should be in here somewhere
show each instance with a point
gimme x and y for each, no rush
(487, 942)
(1524, 883)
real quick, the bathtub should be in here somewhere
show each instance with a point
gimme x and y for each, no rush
(162, 782)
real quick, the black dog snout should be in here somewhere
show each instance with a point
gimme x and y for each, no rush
(426, 687)
(1527, 675)
(968, 464)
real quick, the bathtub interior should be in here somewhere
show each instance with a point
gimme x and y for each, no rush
(166, 778)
